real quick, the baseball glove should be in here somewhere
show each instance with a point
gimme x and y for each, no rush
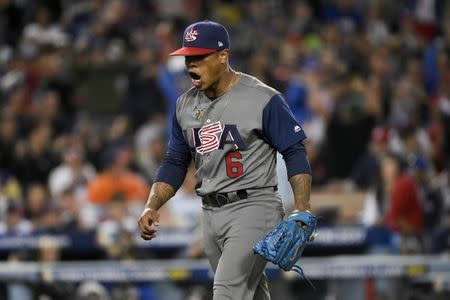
(284, 245)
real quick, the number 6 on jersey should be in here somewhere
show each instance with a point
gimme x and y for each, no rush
(234, 167)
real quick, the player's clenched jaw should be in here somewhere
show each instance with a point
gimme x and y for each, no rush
(206, 71)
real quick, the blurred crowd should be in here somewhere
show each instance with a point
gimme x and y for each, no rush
(87, 88)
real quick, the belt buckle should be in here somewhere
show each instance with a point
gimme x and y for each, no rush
(221, 199)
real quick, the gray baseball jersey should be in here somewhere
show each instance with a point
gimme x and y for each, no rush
(234, 138)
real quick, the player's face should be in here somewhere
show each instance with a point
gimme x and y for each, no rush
(205, 70)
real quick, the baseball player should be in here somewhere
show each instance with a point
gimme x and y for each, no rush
(231, 125)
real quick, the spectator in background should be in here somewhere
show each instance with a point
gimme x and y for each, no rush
(73, 174)
(410, 141)
(9, 188)
(115, 229)
(100, 64)
(92, 290)
(46, 110)
(404, 214)
(143, 96)
(346, 13)
(14, 222)
(49, 249)
(438, 129)
(366, 170)
(432, 200)
(12, 17)
(118, 179)
(75, 215)
(348, 130)
(442, 106)
(91, 139)
(442, 187)
(380, 71)
(426, 17)
(434, 58)
(171, 81)
(310, 100)
(408, 99)
(13, 92)
(36, 203)
(52, 221)
(408, 39)
(303, 20)
(34, 156)
(377, 27)
(40, 66)
(185, 206)
(43, 31)
(126, 291)
(49, 252)
(118, 132)
(149, 142)
(8, 138)
(19, 290)
(441, 238)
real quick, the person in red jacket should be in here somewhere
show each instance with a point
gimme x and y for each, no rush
(404, 208)
(405, 212)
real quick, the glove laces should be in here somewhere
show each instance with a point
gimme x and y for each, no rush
(297, 269)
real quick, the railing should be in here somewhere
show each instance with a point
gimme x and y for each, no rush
(337, 267)
(340, 236)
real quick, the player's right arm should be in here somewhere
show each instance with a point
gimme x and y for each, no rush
(168, 180)
(149, 220)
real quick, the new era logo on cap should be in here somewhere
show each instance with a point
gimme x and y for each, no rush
(203, 38)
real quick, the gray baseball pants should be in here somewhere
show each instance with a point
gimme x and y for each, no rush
(230, 232)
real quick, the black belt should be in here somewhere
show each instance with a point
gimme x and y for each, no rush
(221, 199)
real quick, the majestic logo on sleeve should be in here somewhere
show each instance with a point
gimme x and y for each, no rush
(214, 136)
(191, 35)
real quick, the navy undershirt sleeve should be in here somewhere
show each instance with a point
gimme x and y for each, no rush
(280, 127)
(178, 157)
(285, 134)
(296, 160)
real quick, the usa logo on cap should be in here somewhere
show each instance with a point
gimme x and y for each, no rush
(191, 35)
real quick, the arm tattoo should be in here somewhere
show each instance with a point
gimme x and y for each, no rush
(301, 186)
(160, 193)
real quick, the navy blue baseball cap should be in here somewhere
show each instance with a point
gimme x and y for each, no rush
(203, 38)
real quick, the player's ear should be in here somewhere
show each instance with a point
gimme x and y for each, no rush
(223, 56)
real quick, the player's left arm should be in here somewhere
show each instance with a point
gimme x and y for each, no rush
(299, 174)
(301, 186)
(286, 135)
(284, 245)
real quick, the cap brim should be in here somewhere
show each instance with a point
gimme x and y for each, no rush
(190, 51)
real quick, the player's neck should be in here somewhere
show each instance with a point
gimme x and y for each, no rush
(225, 83)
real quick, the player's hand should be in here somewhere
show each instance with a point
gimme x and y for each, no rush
(148, 223)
